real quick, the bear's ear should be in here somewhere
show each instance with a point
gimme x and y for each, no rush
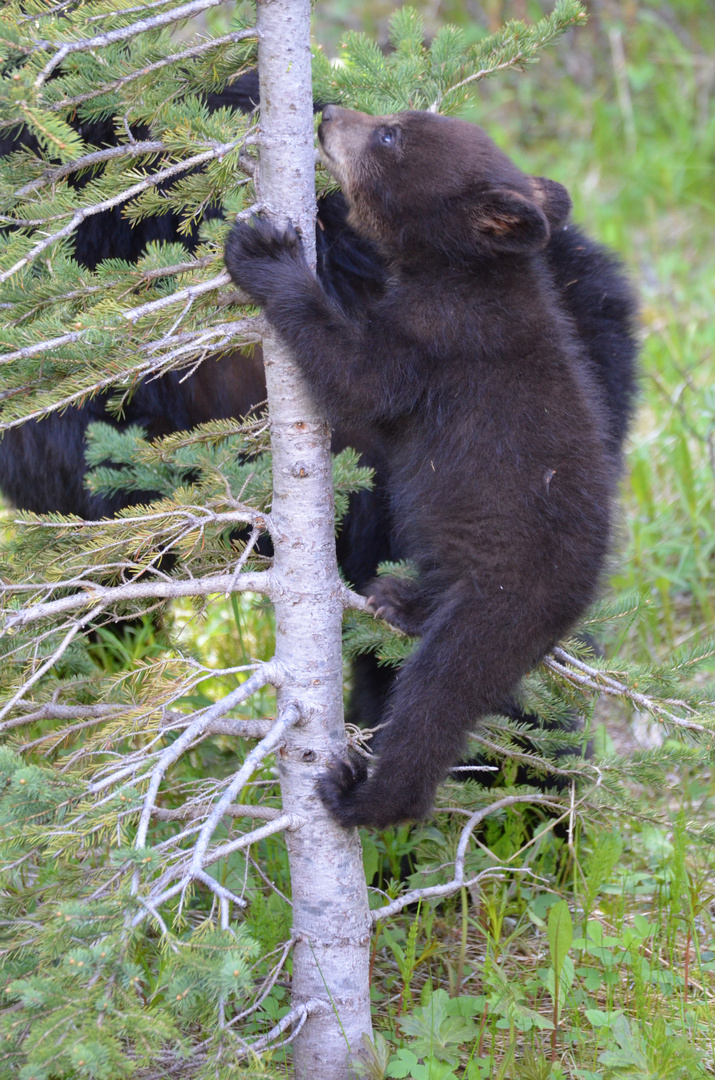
(553, 199)
(506, 221)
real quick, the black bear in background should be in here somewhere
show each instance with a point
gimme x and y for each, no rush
(42, 463)
(501, 448)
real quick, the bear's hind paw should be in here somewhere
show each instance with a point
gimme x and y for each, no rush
(337, 786)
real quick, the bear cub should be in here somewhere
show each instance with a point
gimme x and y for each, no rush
(500, 468)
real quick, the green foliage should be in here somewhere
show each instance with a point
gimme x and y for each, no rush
(149, 87)
(364, 634)
(438, 77)
(657, 1056)
(440, 1024)
(86, 996)
(95, 985)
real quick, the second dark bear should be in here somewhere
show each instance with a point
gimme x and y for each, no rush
(501, 466)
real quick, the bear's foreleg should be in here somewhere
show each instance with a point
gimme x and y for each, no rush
(351, 369)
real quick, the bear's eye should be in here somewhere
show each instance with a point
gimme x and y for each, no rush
(387, 137)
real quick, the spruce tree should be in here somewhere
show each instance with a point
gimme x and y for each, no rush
(126, 864)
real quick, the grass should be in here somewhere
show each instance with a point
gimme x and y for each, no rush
(597, 986)
(594, 961)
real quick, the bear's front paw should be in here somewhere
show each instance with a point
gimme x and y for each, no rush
(252, 254)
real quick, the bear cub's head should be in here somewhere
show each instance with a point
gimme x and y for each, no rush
(417, 181)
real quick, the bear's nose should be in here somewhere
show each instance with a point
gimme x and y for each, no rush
(328, 113)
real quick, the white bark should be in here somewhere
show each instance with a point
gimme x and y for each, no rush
(331, 918)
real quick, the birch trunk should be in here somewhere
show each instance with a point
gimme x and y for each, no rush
(331, 923)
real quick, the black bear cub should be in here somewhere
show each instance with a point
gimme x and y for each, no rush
(501, 471)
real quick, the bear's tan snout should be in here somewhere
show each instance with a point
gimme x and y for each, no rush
(343, 135)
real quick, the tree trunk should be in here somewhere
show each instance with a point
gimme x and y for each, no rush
(331, 922)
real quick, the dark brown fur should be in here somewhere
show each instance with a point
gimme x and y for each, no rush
(42, 464)
(469, 371)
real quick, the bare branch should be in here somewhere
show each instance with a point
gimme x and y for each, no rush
(267, 673)
(194, 811)
(353, 601)
(269, 881)
(458, 881)
(102, 596)
(283, 823)
(267, 987)
(156, 898)
(297, 1017)
(288, 718)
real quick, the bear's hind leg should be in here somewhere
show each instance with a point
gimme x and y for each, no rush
(467, 665)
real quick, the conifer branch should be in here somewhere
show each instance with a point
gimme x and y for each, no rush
(124, 33)
(519, 755)
(57, 172)
(179, 268)
(563, 664)
(98, 714)
(269, 672)
(173, 58)
(513, 61)
(127, 10)
(218, 150)
(194, 516)
(244, 331)
(533, 40)
(50, 662)
(189, 293)
(226, 330)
